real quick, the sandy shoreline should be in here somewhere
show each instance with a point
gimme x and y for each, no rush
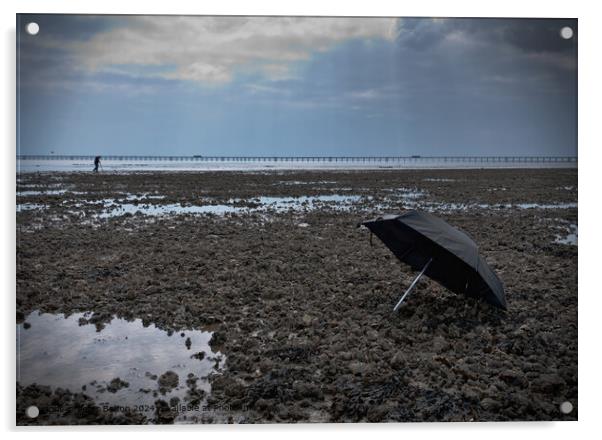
(300, 301)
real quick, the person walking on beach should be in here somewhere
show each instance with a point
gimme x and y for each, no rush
(96, 163)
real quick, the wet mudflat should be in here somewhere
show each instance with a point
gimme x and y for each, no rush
(297, 299)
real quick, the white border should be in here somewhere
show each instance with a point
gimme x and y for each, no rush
(590, 144)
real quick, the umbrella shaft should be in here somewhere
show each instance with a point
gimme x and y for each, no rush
(412, 285)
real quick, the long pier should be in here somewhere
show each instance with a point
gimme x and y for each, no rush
(333, 159)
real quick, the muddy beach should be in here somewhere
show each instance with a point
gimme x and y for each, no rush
(297, 300)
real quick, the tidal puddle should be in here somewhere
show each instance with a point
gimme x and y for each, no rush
(52, 192)
(305, 202)
(29, 206)
(59, 351)
(544, 206)
(408, 193)
(465, 206)
(446, 207)
(571, 236)
(130, 196)
(299, 182)
(113, 208)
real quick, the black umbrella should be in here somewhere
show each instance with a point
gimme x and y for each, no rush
(441, 252)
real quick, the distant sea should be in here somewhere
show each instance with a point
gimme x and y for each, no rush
(133, 165)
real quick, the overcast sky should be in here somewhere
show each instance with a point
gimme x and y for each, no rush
(296, 86)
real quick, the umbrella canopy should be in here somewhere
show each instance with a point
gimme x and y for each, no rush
(445, 254)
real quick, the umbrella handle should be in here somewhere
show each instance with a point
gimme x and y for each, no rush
(412, 285)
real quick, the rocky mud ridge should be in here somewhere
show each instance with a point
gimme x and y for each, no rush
(299, 299)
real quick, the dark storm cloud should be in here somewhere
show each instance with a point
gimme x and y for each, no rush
(69, 27)
(539, 35)
(44, 60)
(496, 56)
(527, 35)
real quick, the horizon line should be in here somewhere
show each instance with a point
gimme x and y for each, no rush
(271, 157)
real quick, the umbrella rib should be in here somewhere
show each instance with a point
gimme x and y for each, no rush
(412, 285)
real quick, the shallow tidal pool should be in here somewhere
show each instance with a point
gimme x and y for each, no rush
(123, 363)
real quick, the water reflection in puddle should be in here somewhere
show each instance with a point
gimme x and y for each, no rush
(408, 193)
(52, 192)
(141, 204)
(130, 196)
(29, 206)
(570, 238)
(306, 202)
(114, 210)
(299, 182)
(457, 206)
(59, 352)
(147, 204)
(544, 206)
(259, 204)
(450, 207)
